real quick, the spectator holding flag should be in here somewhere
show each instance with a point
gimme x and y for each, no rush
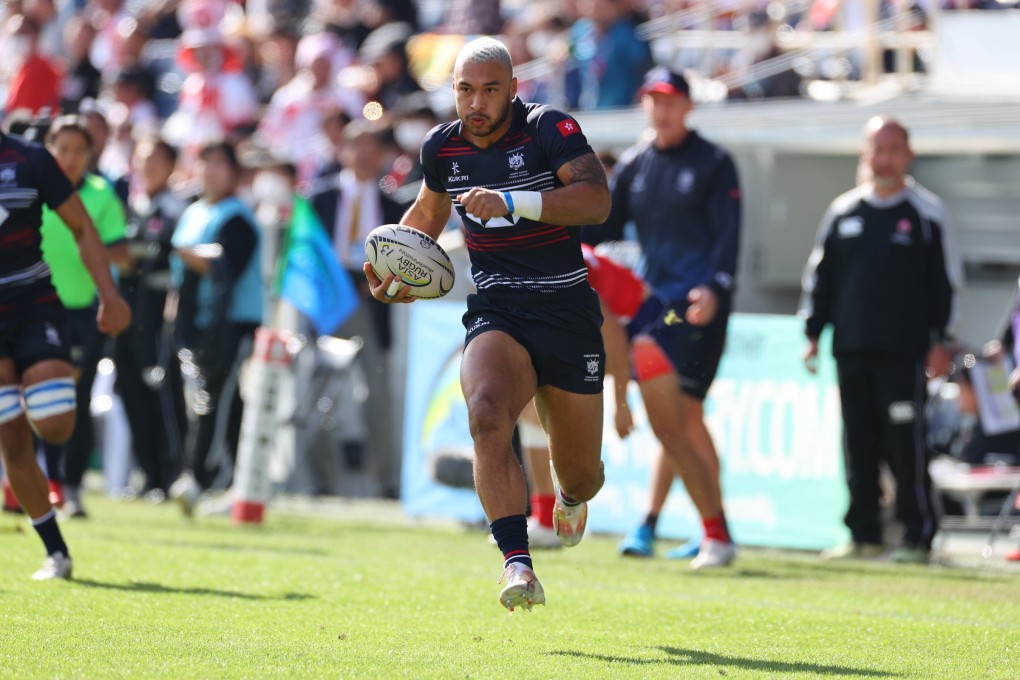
(307, 274)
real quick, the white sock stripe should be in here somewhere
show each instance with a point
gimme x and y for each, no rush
(516, 558)
(10, 403)
(50, 398)
(39, 520)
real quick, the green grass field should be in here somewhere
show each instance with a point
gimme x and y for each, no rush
(156, 596)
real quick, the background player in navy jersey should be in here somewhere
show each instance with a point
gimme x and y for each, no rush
(36, 379)
(518, 175)
(682, 193)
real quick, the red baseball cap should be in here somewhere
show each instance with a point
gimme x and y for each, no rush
(665, 81)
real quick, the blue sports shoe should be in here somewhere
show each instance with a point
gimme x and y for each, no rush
(687, 551)
(640, 542)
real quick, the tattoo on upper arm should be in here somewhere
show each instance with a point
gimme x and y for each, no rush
(588, 168)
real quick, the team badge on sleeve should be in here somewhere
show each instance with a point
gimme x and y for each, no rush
(568, 126)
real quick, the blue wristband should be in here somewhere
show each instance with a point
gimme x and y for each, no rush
(509, 202)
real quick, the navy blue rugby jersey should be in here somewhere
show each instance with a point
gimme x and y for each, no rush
(29, 177)
(512, 253)
(685, 204)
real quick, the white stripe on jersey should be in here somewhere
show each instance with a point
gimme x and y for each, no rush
(542, 181)
(544, 284)
(37, 271)
(18, 197)
(18, 193)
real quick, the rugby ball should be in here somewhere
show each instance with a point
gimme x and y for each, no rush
(413, 256)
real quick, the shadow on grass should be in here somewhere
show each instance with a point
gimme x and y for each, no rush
(142, 587)
(743, 572)
(692, 657)
(235, 547)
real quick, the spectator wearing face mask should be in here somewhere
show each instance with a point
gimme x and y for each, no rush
(215, 303)
(414, 119)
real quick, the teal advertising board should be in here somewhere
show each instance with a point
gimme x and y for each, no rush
(777, 428)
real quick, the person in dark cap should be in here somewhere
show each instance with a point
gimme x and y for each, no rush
(82, 80)
(133, 87)
(385, 50)
(682, 193)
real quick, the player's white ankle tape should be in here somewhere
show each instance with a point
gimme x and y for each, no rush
(49, 398)
(10, 403)
(532, 436)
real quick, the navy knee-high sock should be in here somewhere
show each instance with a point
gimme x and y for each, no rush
(49, 532)
(511, 534)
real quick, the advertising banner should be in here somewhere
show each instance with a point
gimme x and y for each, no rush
(777, 429)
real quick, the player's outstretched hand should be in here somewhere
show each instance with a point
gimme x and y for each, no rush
(114, 316)
(380, 287)
(483, 204)
(703, 307)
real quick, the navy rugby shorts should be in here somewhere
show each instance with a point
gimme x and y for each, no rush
(560, 331)
(32, 333)
(695, 351)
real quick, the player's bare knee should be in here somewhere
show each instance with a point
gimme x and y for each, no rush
(50, 406)
(488, 419)
(55, 429)
(581, 484)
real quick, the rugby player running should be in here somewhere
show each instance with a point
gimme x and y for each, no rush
(37, 387)
(519, 175)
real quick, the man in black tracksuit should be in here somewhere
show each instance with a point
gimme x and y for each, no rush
(882, 275)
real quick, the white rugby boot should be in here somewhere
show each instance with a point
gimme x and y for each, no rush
(522, 588)
(186, 491)
(714, 553)
(57, 565)
(568, 520)
(541, 536)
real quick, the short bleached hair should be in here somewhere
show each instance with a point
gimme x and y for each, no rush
(882, 121)
(484, 51)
